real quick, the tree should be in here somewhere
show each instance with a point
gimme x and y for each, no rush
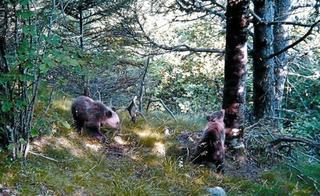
(90, 21)
(26, 59)
(235, 67)
(281, 40)
(263, 67)
(5, 115)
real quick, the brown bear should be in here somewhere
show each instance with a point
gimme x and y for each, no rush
(93, 114)
(211, 148)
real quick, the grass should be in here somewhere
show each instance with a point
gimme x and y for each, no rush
(84, 167)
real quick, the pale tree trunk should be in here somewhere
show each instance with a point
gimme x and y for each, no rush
(281, 40)
(235, 68)
(263, 67)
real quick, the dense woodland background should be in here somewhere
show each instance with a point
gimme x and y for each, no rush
(175, 62)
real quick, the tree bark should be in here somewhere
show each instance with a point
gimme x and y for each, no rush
(86, 90)
(281, 13)
(235, 67)
(263, 68)
(5, 117)
(142, 84)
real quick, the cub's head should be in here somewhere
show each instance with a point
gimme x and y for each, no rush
(216, 116)
(111, 118)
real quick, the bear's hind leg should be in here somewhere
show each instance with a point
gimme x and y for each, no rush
(79, 125)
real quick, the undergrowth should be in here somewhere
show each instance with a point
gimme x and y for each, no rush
(80, 165)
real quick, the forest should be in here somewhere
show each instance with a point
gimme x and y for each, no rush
(160, 97)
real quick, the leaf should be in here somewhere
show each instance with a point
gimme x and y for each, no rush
(25, 14)
(6, 106)
(44, 68)
(22, 141)
(21, 104)
(11, 146)
(66, 124)
(34, 132)
(24, 2)
(73, 62)
(29, 30)
(55, 40)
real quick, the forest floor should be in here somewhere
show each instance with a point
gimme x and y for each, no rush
(140, 160)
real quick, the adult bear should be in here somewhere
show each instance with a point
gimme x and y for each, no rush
(93, 114)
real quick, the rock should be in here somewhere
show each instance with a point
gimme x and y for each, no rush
(217, 191)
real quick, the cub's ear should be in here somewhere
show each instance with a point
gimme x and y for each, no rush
(223, 112)
(108, 113)
(211, 117)
(114, 109)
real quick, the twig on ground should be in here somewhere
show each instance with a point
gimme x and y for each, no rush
(43, 156)
(295, 139)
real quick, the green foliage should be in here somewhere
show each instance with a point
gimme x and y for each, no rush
(302, 98)
(52, 114)
(189, 87)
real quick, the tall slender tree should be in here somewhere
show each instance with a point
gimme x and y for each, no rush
(235, 66)
(263, 67)
(4, 113)
(281, 40)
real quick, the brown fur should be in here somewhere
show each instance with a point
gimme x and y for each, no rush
(90, 114)
(211, 146)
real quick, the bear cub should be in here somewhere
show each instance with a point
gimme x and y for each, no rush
(211, 147)
(92, 115)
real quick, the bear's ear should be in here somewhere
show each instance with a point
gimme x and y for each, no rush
(114, 109)
(211, 117)
(222, 113)
(108, 113)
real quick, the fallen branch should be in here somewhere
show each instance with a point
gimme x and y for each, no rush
(295, 139)
(43, 156)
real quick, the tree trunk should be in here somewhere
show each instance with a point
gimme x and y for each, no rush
(235, 67)
(86, 90)
(142, 84)
(263, 68)
(5, 116)
(281, 40)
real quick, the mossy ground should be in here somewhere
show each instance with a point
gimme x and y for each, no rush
(84, 166)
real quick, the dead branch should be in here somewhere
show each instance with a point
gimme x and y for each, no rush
(50, 100)
(133, 109)
(295, 139)
(296, 42)
(177, 48)
(164, 105)
(43, 156)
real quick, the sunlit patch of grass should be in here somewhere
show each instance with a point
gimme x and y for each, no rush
(147, 137)
(62, 104)
(53, 117)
